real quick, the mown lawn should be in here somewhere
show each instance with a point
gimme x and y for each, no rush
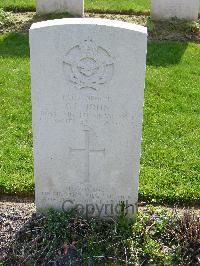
(16, 163)
(102, 5)
(118, 5)
(29, 5)
(170, 169)
(18, 5)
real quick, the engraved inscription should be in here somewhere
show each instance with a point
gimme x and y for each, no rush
(87, 150)
(87, 110)
(172, 9)
(88, 66)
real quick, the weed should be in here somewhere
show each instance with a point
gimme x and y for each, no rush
(156, 237)
(4, 17)
(151, 25)
(186, 235)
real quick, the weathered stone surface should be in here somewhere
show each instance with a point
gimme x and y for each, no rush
(181, 9)
(87, 97)
(75, 7)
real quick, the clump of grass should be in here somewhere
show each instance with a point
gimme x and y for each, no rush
(186, 236)
(148, 243)
(150, 25)
(62, 238)
(174, 29)
(18, 5)
(4, 17)
(193, 26)
(185, 26)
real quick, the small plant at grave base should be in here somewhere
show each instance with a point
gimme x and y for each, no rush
(4, 17)
(185, 26)
(63, 238)
(155, 237)
(150, 25)
(193, 27)
(186, 236)
(148, 241)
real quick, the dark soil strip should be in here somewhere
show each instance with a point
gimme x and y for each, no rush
(118, 12)
(157, 31)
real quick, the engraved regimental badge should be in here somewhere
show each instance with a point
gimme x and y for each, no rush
(88, 66)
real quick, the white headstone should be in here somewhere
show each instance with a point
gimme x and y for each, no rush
(87, 97)
(181, 9)
(75, 7)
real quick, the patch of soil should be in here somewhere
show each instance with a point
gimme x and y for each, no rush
(163, 30)
(13, 216)
(15, 212)
(174, 30)
(17, 22)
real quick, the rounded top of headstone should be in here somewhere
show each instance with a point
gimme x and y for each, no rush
(89, 21)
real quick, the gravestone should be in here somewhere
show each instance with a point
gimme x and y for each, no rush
(75, 7)
(181, 9)
(87, 99)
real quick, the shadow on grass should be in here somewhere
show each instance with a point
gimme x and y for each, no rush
(14, 45)
(51, 16)
(169, 201)
(161, 54)
(16, 9)
(118, 12)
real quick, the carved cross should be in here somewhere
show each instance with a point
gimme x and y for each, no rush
(87, 150)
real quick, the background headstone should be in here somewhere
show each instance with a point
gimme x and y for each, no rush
(87, 97)
(181, 9)
(75, 7)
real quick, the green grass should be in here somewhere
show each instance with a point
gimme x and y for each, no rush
(18, 5)
(104, 5)
(117, 5)
(170, 169)
(16, 163)
(170, 166)
(98, 5)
